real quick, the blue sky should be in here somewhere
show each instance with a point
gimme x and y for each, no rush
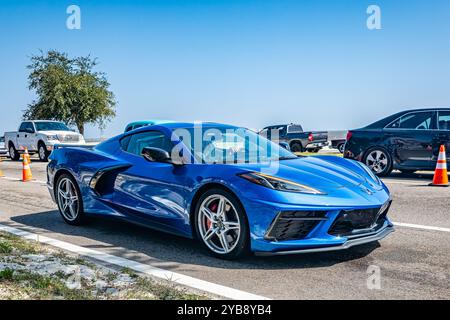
(251, 63)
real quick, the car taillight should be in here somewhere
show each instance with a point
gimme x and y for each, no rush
(349, 135)
(310, 137)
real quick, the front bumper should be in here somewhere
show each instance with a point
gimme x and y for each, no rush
(316, 145)
(328, 228)
(346, 245)
(52, 145)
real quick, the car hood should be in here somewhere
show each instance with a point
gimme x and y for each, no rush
(323, 173)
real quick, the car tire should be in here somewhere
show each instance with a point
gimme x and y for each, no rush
(379, 161)
(13, 154)
(297, 147)
(42, 152)
(72, 211)
(237, 239)
(341, 147)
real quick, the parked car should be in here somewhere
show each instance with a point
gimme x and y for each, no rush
(338, 144)
(407, 141)
(40, 136)
(139, 124)
(297, 139)
(156, 177)
(3, 149)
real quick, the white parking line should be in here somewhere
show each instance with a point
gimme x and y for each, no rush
(198, 284)
(419, 226)
(406, 182)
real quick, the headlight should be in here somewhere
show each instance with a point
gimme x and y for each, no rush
(52, 137)
(278, 183)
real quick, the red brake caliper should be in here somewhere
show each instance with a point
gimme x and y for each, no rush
(213, 208)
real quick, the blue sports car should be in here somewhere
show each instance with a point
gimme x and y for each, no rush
(231, 188)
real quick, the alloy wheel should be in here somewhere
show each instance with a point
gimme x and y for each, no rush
(68, 199)
(377, 161)
(42, 153)
(12, 152)
(219, 224)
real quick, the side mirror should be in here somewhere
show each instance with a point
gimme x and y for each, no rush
(158, 155)
(285, 145)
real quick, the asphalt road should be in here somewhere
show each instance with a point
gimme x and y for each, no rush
(414, 262)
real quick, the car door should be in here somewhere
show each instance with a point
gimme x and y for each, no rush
(411, 137)
(150, 191)
(25, 135)
(442, 135)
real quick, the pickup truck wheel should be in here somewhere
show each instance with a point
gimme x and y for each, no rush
(341, 147)
(43, 153)
(13, 154)
(297, 147)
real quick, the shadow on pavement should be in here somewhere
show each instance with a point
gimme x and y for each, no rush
(421, 176)
(168, 251)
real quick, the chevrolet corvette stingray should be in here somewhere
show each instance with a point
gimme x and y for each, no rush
(227, 186)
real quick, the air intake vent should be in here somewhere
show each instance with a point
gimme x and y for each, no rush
(294, 225)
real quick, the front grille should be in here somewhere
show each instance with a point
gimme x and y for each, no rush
(293, 225)
(69, 138)
(354, 222)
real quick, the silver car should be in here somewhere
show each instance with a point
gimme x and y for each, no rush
(3, 150)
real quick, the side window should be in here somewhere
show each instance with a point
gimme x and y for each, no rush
(294, 128)
(124, 142)
(414, 121)
(30, 126)
(444, 120)
(153, 139)
(23, 126)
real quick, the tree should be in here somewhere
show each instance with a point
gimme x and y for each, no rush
(69, 90)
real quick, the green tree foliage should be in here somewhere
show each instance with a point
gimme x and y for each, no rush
(69, 90)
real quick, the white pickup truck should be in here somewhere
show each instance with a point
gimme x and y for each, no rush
(40, 136)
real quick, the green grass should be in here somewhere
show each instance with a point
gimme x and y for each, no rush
(23, 284)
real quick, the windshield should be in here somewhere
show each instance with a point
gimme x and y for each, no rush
(230, 145)
(51, 126)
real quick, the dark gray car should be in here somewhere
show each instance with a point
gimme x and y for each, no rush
(297, 139)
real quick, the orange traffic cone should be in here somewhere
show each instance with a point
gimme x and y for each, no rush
(27, 155)
(1, 172)
(440, 174)
(26, 171)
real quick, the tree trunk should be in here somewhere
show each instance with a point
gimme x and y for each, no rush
(80, 127)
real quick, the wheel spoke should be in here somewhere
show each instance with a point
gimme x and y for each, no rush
(62, 194)
(223, 241)
(72, 211)
(210, 233)
(370, 158)
(221, 206)
(208, 214)
(231, 225)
